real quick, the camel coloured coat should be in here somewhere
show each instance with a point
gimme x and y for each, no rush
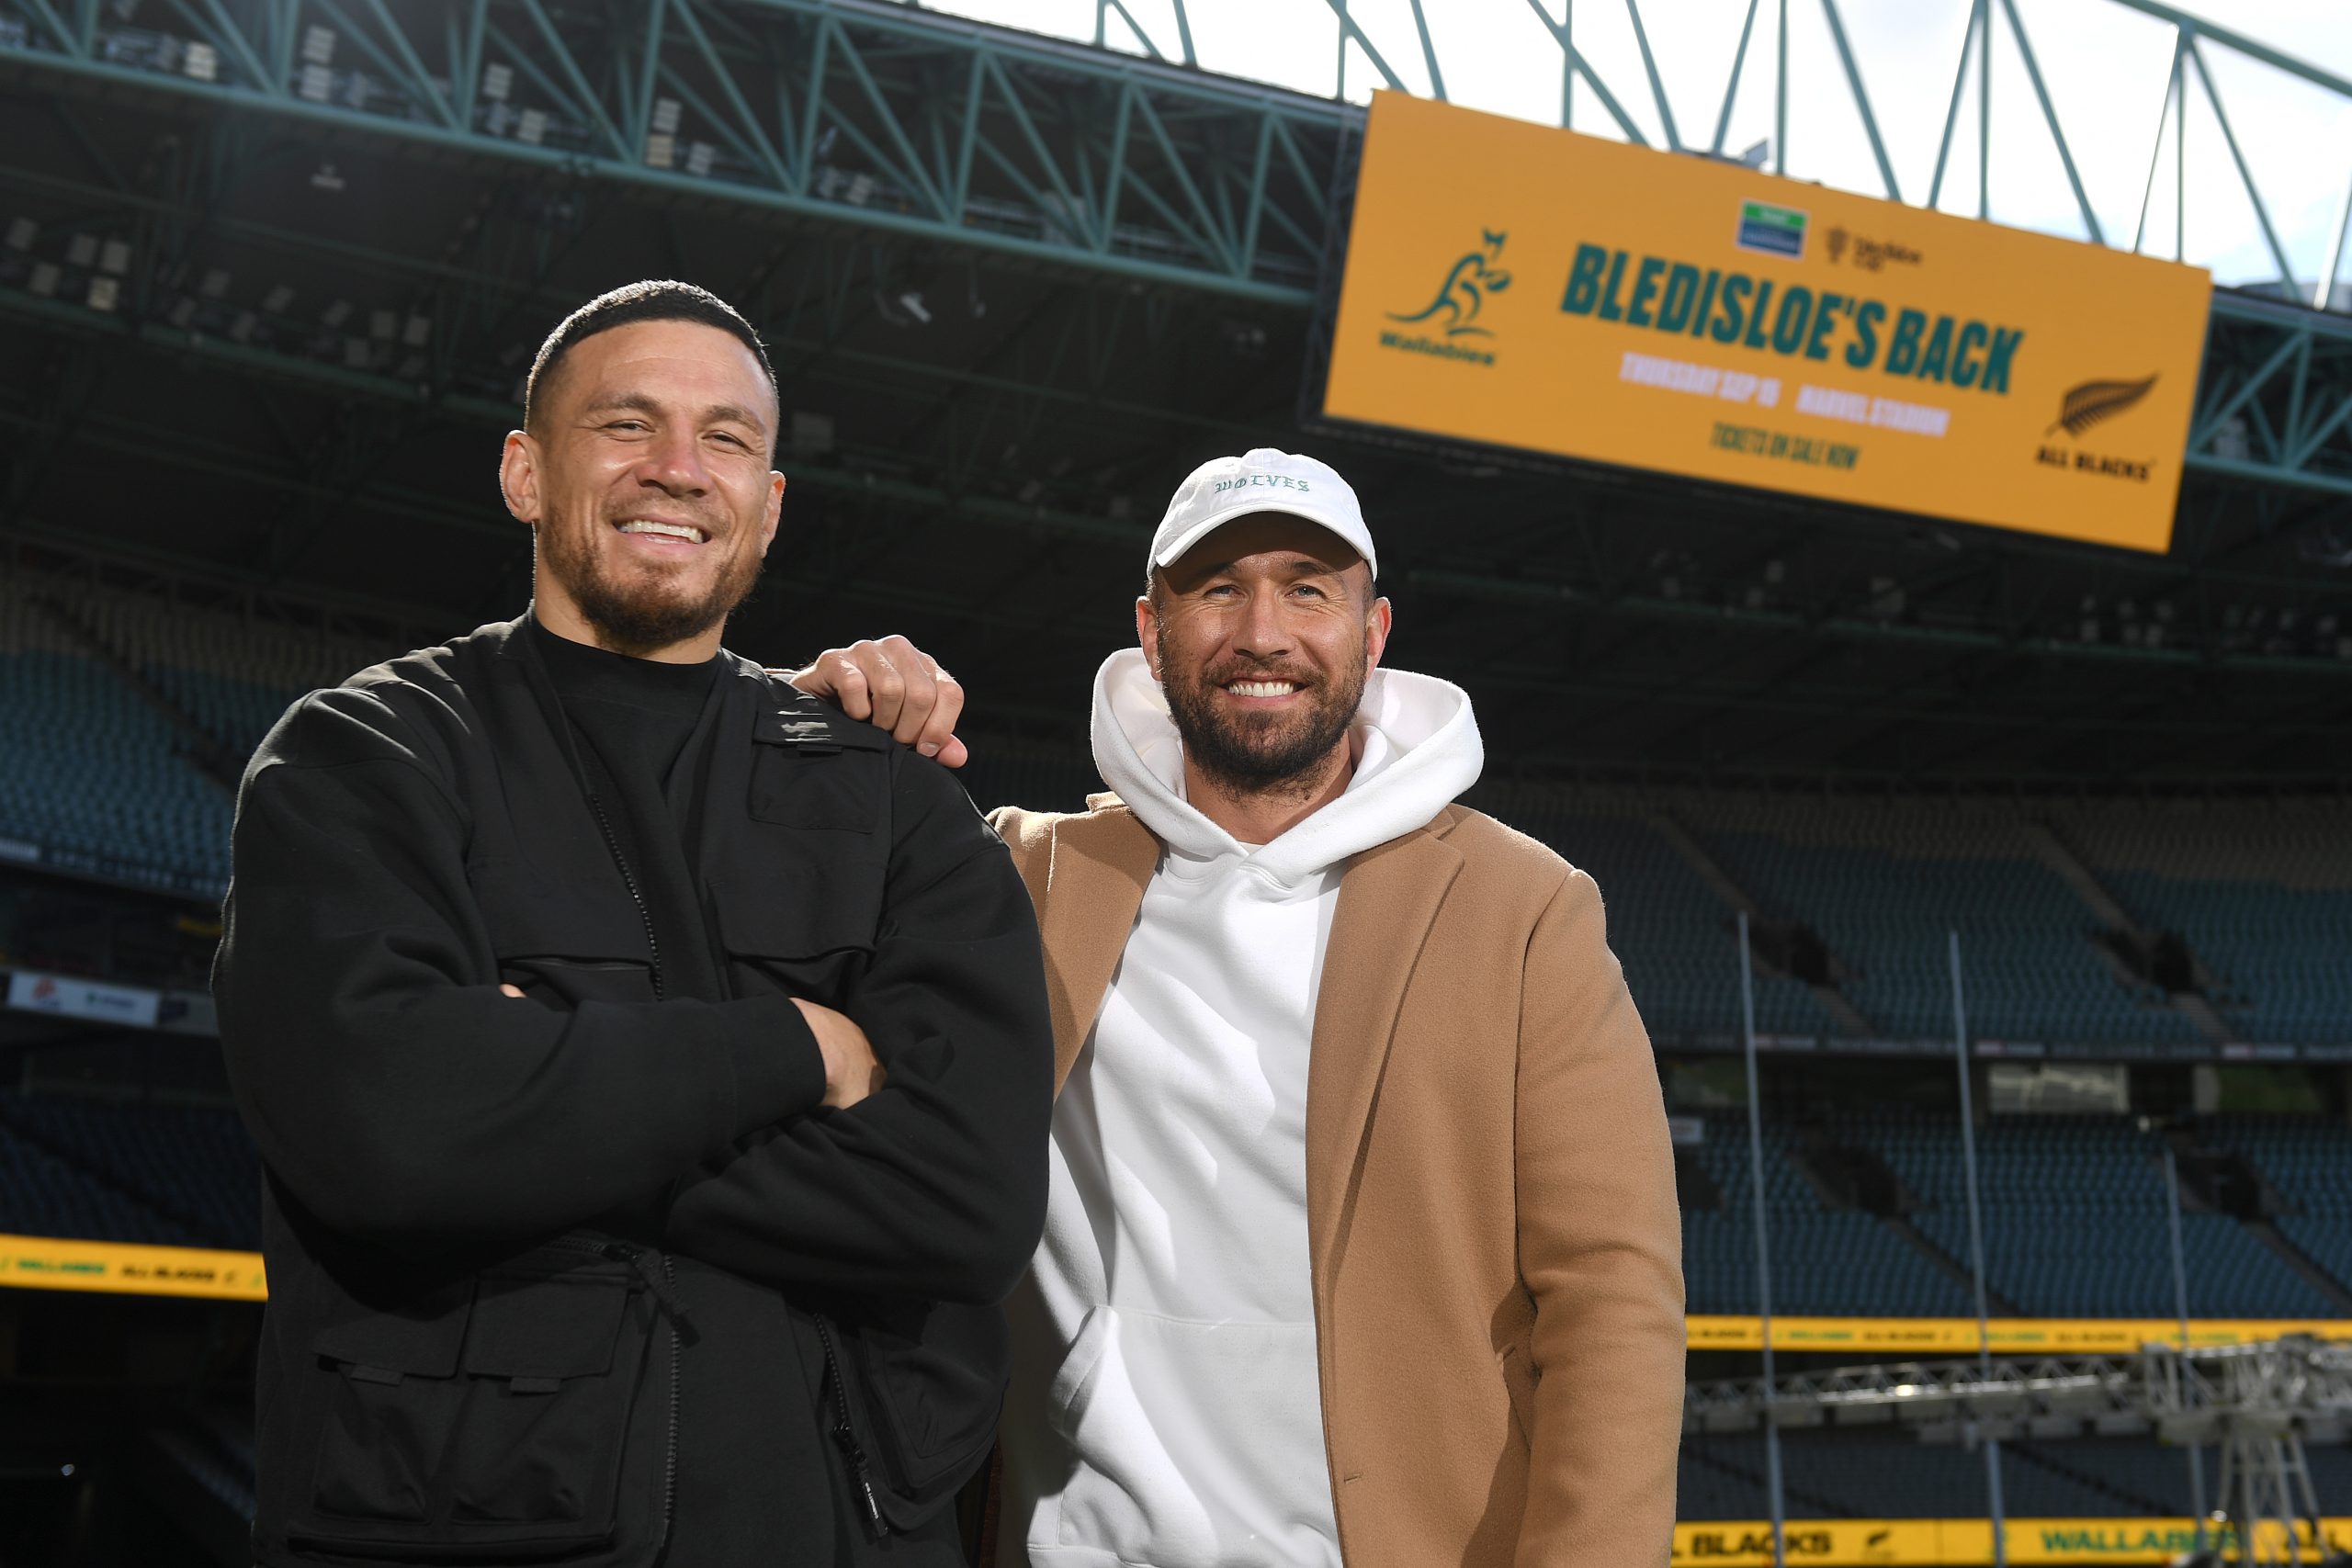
(1493, 1232)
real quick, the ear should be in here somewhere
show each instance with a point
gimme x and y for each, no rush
(1147, 633)
(773, 514)
(518, 476)
(1375, 633)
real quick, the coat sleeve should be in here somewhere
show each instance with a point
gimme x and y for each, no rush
(1599, 1240)
(392, 1087)
(933, 1187)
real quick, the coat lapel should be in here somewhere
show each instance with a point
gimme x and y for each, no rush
(1388, 899)
(1095, 883)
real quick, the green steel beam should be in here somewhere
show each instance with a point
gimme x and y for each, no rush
(1012, 173)
(909, 124)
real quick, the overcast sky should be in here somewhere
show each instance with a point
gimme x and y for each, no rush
(2106, 66)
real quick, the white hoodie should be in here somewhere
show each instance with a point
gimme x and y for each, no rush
(1171, 1300)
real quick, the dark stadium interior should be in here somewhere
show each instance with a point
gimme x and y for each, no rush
(268, 460)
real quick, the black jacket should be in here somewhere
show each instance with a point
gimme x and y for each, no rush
(591, 1277)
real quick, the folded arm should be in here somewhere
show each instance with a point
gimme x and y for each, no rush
(391, 1086)
(933, 1188)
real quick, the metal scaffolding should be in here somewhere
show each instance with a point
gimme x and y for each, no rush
(2259, 1403)
(907, 124)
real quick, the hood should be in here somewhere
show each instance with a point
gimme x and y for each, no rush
(1415, 743)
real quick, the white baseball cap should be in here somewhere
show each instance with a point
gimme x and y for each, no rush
(1261, 480)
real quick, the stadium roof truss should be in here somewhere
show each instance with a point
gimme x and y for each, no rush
(916, 124)
(851, 161)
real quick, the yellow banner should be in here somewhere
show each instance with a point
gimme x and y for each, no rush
(1520, 285)
(50, 1264)
(1959, 1543)
(54, 1264)
(1911, 1337)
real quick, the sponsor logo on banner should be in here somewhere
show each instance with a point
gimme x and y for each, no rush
(1950, 1543)
(2091, 404)
(1910, 360)
(1869, 254)
(1775, 230)
(1454, 313)
(128, 1005)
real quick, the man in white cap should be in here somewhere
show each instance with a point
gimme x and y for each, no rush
(1362, 1244)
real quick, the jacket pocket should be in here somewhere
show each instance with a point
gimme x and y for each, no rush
(496, 1425)
(565, 943)
(819, 773)
(1186, 1438)
(799, 913)
(934, 1387)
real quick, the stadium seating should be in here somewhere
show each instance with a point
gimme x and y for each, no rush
(2310, 1165)
(92, 773)
(92, 776)
(2075, 1221)
(41, 1194)
(188, 1175)
(1883, 882)
(2262, 892)
(1824, 1261)
(1672, 934)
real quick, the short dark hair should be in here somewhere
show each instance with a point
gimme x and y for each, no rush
(654, 299)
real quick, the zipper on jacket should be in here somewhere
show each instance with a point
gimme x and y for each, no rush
(670, 1459)
(629, 880)
(845, 1435)
(662, 1284)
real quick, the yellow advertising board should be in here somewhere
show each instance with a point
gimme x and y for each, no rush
(1958, 1543)
(1516, 285)
(50, 1263)
(1928, 1336)
(55, 1263)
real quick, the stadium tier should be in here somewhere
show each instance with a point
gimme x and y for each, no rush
(2074, 1211)
(109, 698)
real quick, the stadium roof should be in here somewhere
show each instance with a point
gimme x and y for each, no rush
(266, 297)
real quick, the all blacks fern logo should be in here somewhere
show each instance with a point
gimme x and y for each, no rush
(2093, 401)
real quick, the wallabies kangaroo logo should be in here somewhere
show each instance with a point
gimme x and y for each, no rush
(1466, 290)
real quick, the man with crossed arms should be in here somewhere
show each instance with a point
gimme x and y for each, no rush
(1362, 1244)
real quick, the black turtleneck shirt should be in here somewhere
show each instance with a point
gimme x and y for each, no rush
(644, 735)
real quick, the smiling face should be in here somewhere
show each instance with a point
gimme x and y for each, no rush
(645, 477)
(1262, 635)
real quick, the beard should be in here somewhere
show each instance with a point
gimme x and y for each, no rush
(1263, 753)
(650, 613)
